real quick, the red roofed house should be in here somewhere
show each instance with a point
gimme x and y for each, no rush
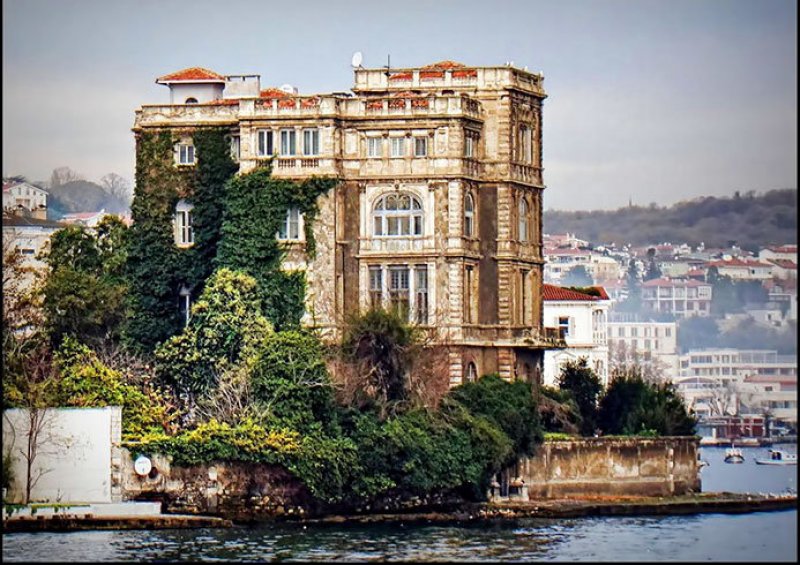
(783, 268)
(582, 317)
(788, 252)
(743, 269)
(681, 297)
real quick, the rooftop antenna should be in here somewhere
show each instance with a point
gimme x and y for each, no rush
(355, 62)
(388, 65)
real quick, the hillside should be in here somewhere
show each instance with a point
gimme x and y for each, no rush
(82, 196)
(751, 220)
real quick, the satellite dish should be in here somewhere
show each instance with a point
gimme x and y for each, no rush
(356, 61)
(288, 88)
(142, 466)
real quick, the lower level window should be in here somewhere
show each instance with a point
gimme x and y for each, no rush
(403, 288)
(290, 226)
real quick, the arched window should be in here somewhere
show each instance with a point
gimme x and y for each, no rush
(472, 373)
(524, 220)
(191, 100)
(184, 225)
(469, 215)
(397, 215)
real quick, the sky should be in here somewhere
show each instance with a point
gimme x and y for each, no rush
(649, 101)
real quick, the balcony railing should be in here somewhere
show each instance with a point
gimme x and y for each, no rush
(535, 337)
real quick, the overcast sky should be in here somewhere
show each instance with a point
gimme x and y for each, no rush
(654, 101)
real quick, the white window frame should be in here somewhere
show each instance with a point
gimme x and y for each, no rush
(311, 142)
(390, 216)
(265, 143)
(291, 226)
(405, 283)
(185, 154)
(374, 147)
(398, 147)
(420, 142)
(184, 224)
(288, 142)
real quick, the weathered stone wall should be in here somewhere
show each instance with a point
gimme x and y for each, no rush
(234, 490)
(612, 466)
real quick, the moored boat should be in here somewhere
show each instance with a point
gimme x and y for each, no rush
(778, 457)
(734, 455)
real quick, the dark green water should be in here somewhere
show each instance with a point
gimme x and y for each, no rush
(763, 536)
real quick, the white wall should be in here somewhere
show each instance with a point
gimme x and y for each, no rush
(74, 453)
(202, 92)
(582, 340)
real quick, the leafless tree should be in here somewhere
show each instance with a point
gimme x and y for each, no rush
(63, 175)
(118, 186)
(624, 359)
(722, 398)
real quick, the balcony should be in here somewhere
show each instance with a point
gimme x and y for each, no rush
(538, 338)
(396, 244)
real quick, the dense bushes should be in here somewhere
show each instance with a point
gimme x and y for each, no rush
(633, 406)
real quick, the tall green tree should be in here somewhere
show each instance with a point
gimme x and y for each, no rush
(84, 294)
(584, 386)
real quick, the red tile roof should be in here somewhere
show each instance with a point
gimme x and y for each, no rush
(784, 263)
(273, 93)
(552, 292)
(444, 65)
(192, 74)
(736, 262)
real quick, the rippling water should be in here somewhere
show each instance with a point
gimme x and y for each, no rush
(762, 536)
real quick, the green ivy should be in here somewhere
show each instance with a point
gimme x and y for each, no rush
(255, 205)
(152, 265)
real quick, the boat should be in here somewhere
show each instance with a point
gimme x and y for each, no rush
(734, 455)
(778, 457)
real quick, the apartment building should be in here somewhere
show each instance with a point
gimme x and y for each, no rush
(658, 340)
(439, 204)
(681, 297)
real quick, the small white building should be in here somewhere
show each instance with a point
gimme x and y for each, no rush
(24, 197)
(582, 319)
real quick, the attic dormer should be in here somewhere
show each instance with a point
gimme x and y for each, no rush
(194, 85)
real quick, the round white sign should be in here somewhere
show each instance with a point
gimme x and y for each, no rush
(142, 465)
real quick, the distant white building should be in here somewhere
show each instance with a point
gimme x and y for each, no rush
(786, 252)
(582, 320)
(656, 339)
(24, 197)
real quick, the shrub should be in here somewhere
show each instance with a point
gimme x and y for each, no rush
(291, 381)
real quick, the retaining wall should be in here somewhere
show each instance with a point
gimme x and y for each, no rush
(663, 466)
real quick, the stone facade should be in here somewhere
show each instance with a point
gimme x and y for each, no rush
(439, 204)
(663, 466)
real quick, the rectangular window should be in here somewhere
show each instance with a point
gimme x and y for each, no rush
(563, 326)
(186, 154)
(420, 146)
(621, 332)
(398, 146)
(235, 148)
(421, 293)
(468, 276)
(524, 303)
(398, 290)
(374, 147)
(525, 149)
(469, 145)
(288, 142)
(310, 142)
(375, 287)
(266, 147)
(290, 227)
(185, 228)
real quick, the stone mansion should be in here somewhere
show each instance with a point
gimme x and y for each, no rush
(439, 206)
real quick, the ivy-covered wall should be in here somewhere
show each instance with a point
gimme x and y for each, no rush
(235, 220)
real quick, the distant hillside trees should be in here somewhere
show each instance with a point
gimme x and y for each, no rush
(751, 220)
